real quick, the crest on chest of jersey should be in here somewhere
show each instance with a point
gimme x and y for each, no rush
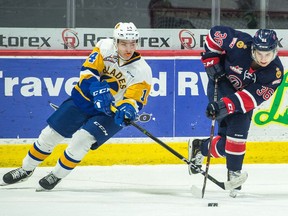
(111, 58)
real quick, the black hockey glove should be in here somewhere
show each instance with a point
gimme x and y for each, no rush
(211, 62)
(220, 109)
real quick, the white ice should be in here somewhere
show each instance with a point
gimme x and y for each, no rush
(150, 190)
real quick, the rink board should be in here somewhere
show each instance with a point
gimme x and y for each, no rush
(145, 153)
(30, 83)
(176, 106)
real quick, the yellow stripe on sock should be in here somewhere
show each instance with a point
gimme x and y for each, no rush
(38, 154)
(66, 162)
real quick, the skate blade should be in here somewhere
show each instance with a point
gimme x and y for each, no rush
(3, 184)
(233, 193)
(40, 189)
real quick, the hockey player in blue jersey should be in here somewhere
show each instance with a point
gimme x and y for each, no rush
(113, 74)
(248, 71)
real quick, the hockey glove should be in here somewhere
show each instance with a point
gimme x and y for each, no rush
(211, 62)
(124, 111)
(102, 98)
(220, 109)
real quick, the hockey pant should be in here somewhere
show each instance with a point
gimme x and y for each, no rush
(231, 140)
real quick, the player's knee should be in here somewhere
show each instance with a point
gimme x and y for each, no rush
(80, 144)
(49, 137)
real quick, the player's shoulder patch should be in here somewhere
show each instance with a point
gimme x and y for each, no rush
(278, 72)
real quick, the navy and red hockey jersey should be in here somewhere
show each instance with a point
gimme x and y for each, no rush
(249, 87)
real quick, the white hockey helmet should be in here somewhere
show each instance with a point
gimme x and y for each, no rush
(125, 31)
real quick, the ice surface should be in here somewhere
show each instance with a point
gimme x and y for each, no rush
(150, 190)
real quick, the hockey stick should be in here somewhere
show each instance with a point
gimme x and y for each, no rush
(228, 185)
(224, 185)
(211, 138)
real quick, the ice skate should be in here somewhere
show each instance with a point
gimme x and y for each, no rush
(233, 175)
(194, 154)
(16, 176)
(48, 182)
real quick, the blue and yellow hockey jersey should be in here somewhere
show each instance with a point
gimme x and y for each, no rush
(130, 81)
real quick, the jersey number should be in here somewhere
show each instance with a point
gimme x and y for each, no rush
(143, 95)
(92, 57)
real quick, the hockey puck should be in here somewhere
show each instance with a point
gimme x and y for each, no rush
(212, 204)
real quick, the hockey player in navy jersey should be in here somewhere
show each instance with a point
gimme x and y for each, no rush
(113, 74)
(248, 72)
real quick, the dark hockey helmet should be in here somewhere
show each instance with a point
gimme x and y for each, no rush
(265, 40)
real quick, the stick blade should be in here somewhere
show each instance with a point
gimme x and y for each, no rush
(196, 191)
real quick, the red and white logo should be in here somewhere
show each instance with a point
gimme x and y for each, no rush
(70, 39)
(236, 69)
(187, 39)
